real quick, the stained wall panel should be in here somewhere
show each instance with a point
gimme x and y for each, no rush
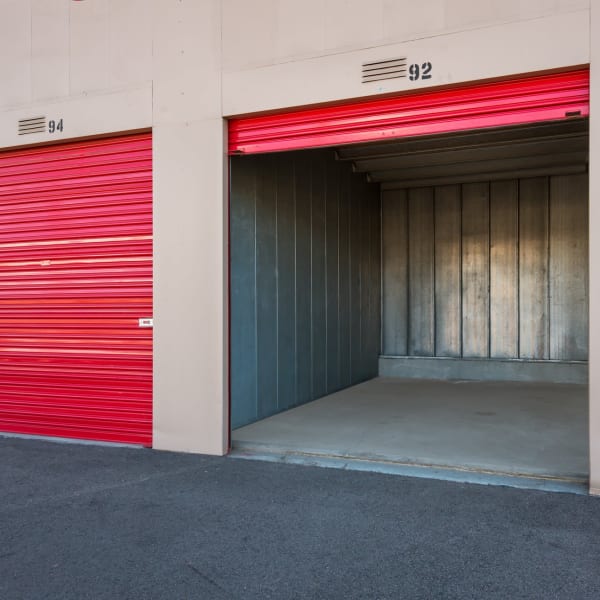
(305, 281)
(504, 269)
(286, 288)
(510, 270)
(303, 290)
(533, 268)
(374, 316)
(568, 268)
(447, 270)
(344, 312)
(355, 261)
(266, 282)
(318, 323)
(243, 291)
(361, 261)
(420, 273)
(332, 176)
(394, 224)
(475, 270)
(370, 284)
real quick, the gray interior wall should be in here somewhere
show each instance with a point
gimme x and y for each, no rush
(305, 280)
(487, 270)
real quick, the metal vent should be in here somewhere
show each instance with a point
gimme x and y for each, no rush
(33, 125)
(384, 69)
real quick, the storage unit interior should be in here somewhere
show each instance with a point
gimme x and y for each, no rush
(419, 300)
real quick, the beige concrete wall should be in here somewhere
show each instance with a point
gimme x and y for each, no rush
(179, 66)
(267, 32)
(594, 282)
(283, 56)
(89, 63)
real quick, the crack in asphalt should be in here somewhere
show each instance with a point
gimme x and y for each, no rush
(209, 580)
(90, 490)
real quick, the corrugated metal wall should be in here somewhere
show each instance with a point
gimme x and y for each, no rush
(305, 280)
(487, 270)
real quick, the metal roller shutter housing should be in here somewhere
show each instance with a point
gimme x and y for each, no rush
(517, 101)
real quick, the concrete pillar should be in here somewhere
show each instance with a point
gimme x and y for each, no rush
(594, 275)
(190, 230)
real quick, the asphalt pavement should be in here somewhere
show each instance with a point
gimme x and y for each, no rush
(94, 522)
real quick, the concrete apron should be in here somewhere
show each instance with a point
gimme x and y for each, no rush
(497, 433)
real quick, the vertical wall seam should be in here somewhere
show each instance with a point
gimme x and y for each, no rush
(295, 282)
(361, 308)
(276, 186)
(548, 344)
(255, 195)
(326, 269)
(381, 259)
(70, 42)
(434, 269)
(31, 95)
(311, 198)
(349, 274)
(460, 254)
(518, 250)
(489, 269)
(339, 339)
(108, 44)
(408, 273)
(350, 299)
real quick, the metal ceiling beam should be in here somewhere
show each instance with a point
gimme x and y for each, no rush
(490, 176)
(481, 166)
(575, 144)
(488, 137)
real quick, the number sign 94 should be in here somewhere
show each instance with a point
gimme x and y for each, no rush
(54, 126)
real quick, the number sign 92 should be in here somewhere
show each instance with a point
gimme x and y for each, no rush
(54, 126)
(423, 71)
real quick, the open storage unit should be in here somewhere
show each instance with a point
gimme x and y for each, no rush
(451, 253)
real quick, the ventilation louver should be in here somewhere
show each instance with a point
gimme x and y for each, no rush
(392, 68)
(33, 125)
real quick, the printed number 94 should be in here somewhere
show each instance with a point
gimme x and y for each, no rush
(54, 126)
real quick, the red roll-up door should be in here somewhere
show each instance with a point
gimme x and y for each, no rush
(523, 100)
(75, 278)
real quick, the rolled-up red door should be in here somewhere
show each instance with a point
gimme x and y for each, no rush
(522, 100)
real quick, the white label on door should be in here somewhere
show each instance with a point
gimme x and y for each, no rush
(145, 322)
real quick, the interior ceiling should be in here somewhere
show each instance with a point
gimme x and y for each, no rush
(559, 147)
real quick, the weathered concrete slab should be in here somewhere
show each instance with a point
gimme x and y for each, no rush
(521, 428)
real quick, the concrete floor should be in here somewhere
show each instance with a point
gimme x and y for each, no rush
(529, 429)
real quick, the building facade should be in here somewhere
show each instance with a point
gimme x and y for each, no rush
(164, 79)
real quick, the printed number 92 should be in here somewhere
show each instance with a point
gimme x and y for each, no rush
(54, 126)
(416, 72)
